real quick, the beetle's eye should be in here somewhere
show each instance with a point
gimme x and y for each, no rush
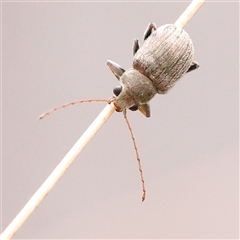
(134, 107)
(117, 90)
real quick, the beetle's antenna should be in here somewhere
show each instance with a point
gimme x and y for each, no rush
(137, 155)
(71, 103)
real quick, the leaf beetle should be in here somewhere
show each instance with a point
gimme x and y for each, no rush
(166, 55)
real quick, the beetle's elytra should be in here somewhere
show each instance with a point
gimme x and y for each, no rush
(166, 55)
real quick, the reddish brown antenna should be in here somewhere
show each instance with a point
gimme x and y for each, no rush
(137, 155)
(70, 104)
(129, 127)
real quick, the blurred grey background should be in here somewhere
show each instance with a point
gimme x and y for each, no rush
(54, 53)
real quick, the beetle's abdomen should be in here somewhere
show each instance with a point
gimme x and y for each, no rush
(165, 56)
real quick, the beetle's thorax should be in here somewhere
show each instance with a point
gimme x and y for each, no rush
(136, 89)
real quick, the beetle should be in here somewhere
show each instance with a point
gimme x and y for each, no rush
(166, 55)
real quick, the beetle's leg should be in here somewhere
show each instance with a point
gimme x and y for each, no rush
(193, 66)
(115, 68)
(151, 26)
(144, 109)
(135, 46)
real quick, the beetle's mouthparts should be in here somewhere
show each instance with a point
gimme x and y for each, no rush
(113, 100)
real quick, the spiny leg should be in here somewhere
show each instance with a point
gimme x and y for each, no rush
(151, 26)
(135, 46)
(138, 158)
(72, 103)
(144, 109)
(115, 68)
(193, 66)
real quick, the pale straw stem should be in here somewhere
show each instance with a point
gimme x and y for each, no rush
(189, 12)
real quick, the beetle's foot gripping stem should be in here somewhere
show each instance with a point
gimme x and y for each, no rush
(151, 26)
(113, 100)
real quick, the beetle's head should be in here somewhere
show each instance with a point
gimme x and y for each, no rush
(135, 89)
